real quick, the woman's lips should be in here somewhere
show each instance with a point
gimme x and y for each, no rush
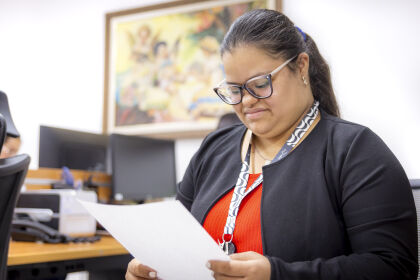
(253, 114)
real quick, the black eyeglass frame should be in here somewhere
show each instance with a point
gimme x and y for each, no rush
(244, 86)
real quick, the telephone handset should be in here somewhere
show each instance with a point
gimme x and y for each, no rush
(28, 230)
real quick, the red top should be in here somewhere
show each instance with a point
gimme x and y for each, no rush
(247, 233)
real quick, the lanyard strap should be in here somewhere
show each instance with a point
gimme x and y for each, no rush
(240, 191)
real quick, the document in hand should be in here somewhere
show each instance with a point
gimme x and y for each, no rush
(162, 235)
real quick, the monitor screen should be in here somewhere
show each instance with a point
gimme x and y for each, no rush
(75, 149)
(142, 168)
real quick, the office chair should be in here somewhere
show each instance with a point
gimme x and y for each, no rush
(415, 186)
(228, 120)
(12, 173)
(5, 111)
(2, 130)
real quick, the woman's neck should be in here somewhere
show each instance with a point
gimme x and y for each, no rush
(268, 147)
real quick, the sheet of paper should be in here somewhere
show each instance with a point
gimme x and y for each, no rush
(162, 235)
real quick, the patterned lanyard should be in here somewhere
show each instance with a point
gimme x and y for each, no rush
(240, 191)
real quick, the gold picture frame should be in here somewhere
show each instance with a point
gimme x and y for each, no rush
(161, 63)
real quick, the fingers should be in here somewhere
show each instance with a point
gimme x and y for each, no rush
(247, 265)
(232, 268)
(245, 256)
(136, 271)
(218, 276)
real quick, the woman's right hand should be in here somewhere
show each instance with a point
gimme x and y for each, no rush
(137, 271)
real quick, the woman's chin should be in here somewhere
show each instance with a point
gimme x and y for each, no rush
(258, 130)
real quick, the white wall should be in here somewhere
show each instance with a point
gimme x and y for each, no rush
(51, 65)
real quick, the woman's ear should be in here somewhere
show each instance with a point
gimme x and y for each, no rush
(303, 64)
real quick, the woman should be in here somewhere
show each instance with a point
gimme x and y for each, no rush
(325, 198)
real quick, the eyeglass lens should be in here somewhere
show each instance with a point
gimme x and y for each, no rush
(259, 88)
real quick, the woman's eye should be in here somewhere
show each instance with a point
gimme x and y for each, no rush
(261, 84)
(235, 91)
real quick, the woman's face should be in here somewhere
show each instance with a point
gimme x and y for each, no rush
(274, 116)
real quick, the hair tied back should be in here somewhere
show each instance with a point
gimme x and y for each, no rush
(301, 32)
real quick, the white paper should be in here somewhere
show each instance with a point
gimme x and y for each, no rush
(162, 235)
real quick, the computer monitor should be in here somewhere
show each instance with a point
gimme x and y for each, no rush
(71, 148)
(142, 168)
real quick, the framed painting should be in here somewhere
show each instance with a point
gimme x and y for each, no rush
(161, 63)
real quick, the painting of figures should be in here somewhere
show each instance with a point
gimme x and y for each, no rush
(163, 62)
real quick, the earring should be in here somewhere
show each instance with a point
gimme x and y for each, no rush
(304, 80)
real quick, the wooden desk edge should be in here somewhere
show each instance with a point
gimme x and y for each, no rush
(28, 252)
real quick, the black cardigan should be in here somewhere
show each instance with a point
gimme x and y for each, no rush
(339, 206)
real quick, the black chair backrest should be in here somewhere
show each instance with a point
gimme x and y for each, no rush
(2, 130)
(12, 174)
(5, 111)
(415, 186)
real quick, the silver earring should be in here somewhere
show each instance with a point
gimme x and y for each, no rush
(304, 80)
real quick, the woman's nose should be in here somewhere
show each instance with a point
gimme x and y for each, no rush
(248, 99)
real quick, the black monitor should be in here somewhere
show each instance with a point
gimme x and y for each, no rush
(75, 149)
(415, 184)
(142, 168)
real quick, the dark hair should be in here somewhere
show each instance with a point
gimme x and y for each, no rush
(276, 34)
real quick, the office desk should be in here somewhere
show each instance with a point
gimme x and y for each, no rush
(28, 260)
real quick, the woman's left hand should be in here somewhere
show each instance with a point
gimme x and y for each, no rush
(247, 265)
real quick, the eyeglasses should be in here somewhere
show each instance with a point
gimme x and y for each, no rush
(259, 87)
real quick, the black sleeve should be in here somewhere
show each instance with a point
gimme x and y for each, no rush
(379, 214)
(185, 188)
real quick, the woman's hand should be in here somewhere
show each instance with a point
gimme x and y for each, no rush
(247, 265)
(137, 271)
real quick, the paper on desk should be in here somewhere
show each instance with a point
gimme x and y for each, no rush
(162, 235)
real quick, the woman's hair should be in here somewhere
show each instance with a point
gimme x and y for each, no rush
(276, 34)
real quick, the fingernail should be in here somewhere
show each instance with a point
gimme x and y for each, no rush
(152, 274)
(208, 265)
